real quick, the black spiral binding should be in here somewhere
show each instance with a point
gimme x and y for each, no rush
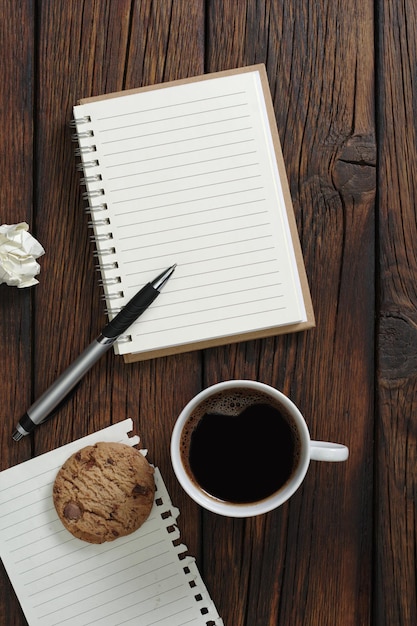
(99, 222)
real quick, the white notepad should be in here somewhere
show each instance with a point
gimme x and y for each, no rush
(191, 172)
(143, 578)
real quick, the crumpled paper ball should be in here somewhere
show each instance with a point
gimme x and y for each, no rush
(18, 251)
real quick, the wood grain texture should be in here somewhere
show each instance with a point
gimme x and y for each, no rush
(342, 552)
(16, 167)
(395, 598)
(89, 56)
(323, 95)
(112, 46)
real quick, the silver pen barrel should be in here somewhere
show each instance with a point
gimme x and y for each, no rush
(51, 398)
(62, 386)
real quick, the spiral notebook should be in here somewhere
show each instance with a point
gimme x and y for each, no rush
(146, 578)
(191, 172)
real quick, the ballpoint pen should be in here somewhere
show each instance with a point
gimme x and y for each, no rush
(49, 400)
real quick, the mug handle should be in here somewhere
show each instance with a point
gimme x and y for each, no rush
(326, 451)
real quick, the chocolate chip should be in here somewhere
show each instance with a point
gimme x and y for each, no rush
(140, 490)
(113, 513)
(72, 511)
(110, 461)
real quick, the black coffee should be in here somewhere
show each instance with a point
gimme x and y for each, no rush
(240, 448)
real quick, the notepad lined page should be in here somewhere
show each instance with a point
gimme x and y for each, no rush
(187, 174)
(144, 578)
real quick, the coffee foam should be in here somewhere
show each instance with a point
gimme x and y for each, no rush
(229, 403)
(232, 402)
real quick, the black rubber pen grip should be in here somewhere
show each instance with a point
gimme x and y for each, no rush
(130, 313)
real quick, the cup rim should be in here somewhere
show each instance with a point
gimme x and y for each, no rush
(231, 509)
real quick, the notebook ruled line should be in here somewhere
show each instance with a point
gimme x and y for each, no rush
(171, 105)
(144, 613)
(176, 191)
(185, 165)
(204, 314)
(218, 283)
(42, 552)
(74, 563)
(173, 601)
(231, 292)
(177, 178)
(112, 585)
(174, 130)
(204, 261)
(135, 277)
(194, 225)
(177, 141)
(199, 249)
(193, 201)
(158, 120)
(189, 214)
(219, 321)
(85, 613)
(178, 154)
(243, 267)
(211, 234)
(113, 574)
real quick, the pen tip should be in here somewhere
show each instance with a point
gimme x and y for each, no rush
(160, 280)
(170, 271)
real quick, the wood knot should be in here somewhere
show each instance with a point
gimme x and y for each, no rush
(397, 346)
(354, 170)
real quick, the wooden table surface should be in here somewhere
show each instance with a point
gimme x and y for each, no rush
(343, 80)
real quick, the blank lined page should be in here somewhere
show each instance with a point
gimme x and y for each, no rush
(187, 174)
(145, 578)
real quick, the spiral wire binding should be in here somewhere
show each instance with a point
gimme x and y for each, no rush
(105, 252)
(82, 135)
(95, 209)
(90, 179)
(85, 150)
(113, 296)
(86, 119)
(109, 281)
(104, 222)
(102, 237)
(113, 265)
(94, 193)
(81, 167)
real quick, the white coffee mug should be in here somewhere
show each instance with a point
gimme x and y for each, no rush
(307, 449)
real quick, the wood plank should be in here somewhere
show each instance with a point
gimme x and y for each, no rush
(145, 43)
(323, 94)
(16, 163)
(396, 528)
(166, 42)
(309, 563)
(68, 306)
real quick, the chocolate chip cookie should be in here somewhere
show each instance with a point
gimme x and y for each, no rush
(104, 491)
